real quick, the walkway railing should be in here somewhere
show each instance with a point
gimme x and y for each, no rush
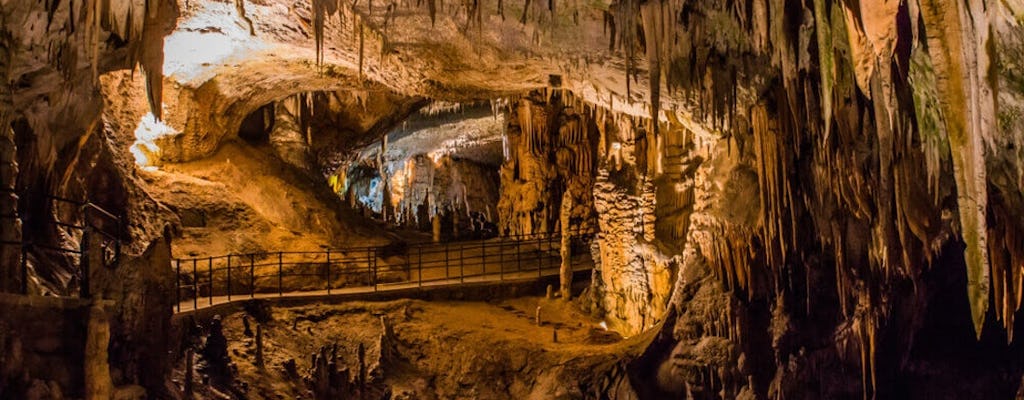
(203, 282)
(94, 220)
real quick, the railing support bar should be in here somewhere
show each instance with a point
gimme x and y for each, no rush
(210, 269)
(195, 285)
(229, 277)
(252, 276)
(177, 285)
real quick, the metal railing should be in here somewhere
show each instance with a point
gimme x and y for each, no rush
(110, 243)
(212, 280)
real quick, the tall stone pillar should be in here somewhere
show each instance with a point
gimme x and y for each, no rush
(435, 225)
(98, 383)
(565, 272)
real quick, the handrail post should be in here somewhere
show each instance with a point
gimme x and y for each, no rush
(117, 241)
(539, 263)
(371, 273)
(280, 273)
(501, 259)
(177, 285)
(195, 285)
(419, 263)
(551, 251)
(446, 261)
(328, 272)
(84, 261)
(24, 269)
(211, 279)
(519, 257)
(229, 277)
(462, 264)
(252, 276)
(483, 257)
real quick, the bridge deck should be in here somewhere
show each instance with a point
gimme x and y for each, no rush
(453, 281)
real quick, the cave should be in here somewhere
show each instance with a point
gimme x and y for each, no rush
(650, 199)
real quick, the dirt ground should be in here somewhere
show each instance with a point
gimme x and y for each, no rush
(438, 350)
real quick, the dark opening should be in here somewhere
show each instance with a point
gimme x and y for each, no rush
(257, 125)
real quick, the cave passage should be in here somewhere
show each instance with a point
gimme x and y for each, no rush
(438, 167)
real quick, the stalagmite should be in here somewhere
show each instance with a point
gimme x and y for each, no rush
(98, 384)
(565, 272)
(189, 372)
(259, 345)
(435, 224)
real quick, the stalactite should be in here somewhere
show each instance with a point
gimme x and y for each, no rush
(432, 9)
(947, 52)
(928, 111)
(321, 10)
(826, 61)
(151, 58)
(652, 13)
(361, 46)
(94, 15)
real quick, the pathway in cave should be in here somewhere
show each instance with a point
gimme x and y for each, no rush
(359, 272)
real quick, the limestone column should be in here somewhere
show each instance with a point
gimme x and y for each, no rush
(385, 180)
(435, 224)
(565, 273)
(98, 384)
(455, 221)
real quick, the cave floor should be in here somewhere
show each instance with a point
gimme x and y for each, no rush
(441, 349)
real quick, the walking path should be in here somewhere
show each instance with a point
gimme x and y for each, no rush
(206, 282)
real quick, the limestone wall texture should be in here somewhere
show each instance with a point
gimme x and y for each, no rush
(43, 347)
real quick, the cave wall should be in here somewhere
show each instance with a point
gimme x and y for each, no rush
(550, 155)
(55, 53)
(883, 181)
(42, 346)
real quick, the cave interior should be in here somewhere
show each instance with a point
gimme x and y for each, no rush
(511, 199)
